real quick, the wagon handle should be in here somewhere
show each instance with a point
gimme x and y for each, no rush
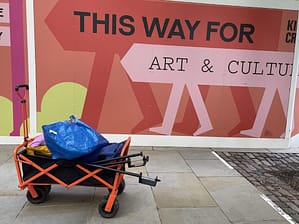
(148, 180)
(22, 86)
(143, 180)
(20, 96)
(24, 108)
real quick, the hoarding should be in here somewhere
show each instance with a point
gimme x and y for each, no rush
(146, 68)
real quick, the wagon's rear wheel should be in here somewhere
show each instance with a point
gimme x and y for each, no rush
(113, 211)
(42, 192)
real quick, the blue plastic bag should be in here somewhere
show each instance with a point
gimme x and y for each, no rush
(71, 139)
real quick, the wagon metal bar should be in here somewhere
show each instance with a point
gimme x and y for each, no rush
(89, 174)
(42, 172)
(118, 158)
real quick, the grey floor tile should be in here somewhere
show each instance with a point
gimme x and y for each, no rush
(195, 187)
(181, 190)
(10, 207)
(60, 195)
(168, 161)
(205, 168)
(204, 215)
(9, 180)
(6, 152)
(166, 148)
(66, 214)
(136, 206)
(198, 154)
(62, 206)
(8, 147)
(239, 200)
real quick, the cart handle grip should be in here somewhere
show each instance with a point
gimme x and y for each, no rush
(22, 86)
(131, 164)
(148, 180)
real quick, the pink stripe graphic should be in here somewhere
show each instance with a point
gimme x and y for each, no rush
(17, 58)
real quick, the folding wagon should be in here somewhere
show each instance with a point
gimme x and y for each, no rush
(38, 171)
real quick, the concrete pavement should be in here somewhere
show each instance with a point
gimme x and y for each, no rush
(196, 188)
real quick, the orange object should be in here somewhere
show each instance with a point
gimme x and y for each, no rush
(38, 171)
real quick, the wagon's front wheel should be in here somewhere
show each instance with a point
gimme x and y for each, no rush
(42, 195)
(121, 187)
(113, 211)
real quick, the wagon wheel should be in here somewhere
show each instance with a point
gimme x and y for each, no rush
(47, 188)
(121, 187)
(113, 211)
(42, 192)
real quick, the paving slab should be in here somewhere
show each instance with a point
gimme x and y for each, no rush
(181, 190)
(273, 174)
(9, 180)
(166, 148)
(6, 152)
(192, 154)
(195, 187)
(203, 215)
(166, 161)
(53, 214)
(239, 200)
(136, 205)
(205, 168)
(76, 195)
(10, 207)
(62, 206)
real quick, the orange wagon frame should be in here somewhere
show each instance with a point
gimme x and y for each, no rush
(39, 172)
